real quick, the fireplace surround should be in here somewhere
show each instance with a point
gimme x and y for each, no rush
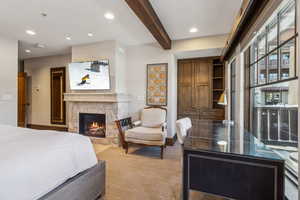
(113, 105)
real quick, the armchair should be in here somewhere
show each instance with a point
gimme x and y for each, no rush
(151, 130)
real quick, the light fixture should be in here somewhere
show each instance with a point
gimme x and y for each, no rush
(223, 99)
(222, 142)
(109, 16)
(68, 38)
(193, 30)
(44, 14)
(28, 51)
(30, 32)
(90, 34)
(39, 45)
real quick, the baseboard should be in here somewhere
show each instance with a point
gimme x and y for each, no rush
(45, 127)
(171, 141)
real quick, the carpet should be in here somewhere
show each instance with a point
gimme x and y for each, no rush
(142, 175)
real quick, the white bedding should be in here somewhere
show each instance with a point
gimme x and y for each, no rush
(34, 162)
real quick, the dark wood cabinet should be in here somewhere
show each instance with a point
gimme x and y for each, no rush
(200, 85)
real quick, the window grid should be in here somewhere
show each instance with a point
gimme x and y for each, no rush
(232, 90)
(276, 50)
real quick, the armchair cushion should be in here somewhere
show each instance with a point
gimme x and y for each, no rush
(144, 133)
(153, 117)
(137, 123)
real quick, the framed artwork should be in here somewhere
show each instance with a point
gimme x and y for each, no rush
(157, 84)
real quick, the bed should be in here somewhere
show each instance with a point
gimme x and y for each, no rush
(48, 165)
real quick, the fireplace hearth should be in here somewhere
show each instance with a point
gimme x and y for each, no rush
(93, 125)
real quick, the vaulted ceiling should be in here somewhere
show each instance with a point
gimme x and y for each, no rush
(77, 18)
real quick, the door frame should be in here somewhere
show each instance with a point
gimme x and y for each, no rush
(62, 121)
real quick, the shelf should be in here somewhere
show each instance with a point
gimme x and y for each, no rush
(218, 90)
(218, 77)
(218, 64)
(217, 82)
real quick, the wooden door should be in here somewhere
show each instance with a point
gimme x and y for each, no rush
(201, 94)
(185, 87)
(22, 99)
(194, 87)
(58, 88)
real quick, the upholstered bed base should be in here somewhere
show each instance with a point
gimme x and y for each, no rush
(88, 185)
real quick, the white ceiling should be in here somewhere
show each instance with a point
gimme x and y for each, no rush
(210, 17)
(79, 17)
(73, 17)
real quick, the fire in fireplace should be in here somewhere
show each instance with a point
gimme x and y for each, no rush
(92, 124)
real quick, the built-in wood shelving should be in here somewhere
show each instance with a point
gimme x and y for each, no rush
(217, 82)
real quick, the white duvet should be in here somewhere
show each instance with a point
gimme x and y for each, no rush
(34, 162)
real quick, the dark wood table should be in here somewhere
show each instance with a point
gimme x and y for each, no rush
(223, 161)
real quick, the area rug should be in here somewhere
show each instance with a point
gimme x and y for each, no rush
(142, 175)
(98, 148)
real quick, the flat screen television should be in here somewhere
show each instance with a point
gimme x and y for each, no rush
(89, 75)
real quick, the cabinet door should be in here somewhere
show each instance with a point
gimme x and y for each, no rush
(194, 87)
(185, 83)
(201, 88)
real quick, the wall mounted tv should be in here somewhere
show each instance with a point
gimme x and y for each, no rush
(89, 75)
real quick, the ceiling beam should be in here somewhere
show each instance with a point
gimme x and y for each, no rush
(145, 12)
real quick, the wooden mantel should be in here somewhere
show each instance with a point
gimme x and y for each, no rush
(145, 12)
(97, 97)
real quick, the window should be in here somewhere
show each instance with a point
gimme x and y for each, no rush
(232, 90)
(287, 58)
(287, 23)
(274, 86)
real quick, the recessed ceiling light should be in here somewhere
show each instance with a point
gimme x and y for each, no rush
(90, 34)
(30, 32)
(109, 16)
(44, 14)
(28, 51)
(39, 45)
(68, 38)
(193, 30)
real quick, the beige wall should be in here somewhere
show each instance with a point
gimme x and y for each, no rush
(121, 68)
(137, 60)
(111, 50)
(8, 80)
(201, 43)
(38, 95)
(139, 56)
(127, 68)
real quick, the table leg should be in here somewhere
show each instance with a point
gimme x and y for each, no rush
(185, 188)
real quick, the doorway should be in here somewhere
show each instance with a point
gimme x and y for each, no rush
(22, 99)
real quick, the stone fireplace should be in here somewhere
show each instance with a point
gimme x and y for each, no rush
(114, 106)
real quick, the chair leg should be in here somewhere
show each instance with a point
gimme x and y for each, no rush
(161, 152)
(126, 148)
